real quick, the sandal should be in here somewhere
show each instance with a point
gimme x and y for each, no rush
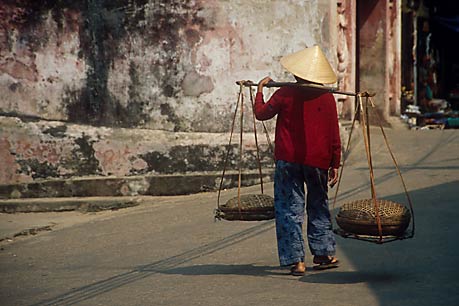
(298, 269)
(325, 262)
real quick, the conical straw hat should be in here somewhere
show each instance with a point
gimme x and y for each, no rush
(311, 65)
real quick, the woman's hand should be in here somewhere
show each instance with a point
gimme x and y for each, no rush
(332, 177)
(263, 82)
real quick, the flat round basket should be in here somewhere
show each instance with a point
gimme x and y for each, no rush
(254, 207)
(359, 217)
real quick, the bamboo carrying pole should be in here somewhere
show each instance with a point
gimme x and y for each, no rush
(333, 90)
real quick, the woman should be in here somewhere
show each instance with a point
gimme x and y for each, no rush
(307, 151)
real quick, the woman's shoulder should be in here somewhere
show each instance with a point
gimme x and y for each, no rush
(285, 91)
(304, 94)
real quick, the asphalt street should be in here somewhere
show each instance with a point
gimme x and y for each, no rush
(170, 250)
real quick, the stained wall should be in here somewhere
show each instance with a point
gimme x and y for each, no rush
(73, 72)
(156, 64)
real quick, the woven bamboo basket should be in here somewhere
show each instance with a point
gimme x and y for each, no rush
(359, 217)
(254, 207)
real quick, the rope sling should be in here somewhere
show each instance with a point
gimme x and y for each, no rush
(249, 207)
(372, 220)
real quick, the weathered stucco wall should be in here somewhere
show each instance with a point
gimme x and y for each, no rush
(143, 65)
(372, 52)
(156, 64)
(47, 150)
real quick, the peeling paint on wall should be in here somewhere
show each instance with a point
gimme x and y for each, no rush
(36, 169)
(202, 158)
(117, 63)
(50, 150)
(126, 87)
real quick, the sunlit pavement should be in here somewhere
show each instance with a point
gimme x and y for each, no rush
(170, 251)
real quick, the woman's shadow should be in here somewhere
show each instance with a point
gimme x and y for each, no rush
(220, 269)
(349, 277)
(311, 276)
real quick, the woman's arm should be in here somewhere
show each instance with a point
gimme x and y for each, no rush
(262, 110)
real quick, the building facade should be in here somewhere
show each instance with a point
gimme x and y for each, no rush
(123, 88)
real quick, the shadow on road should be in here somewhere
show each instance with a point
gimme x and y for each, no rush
(351, 277)
(251, 270)
(418, 271)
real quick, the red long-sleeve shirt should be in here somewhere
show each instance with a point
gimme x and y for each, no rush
(307, 129)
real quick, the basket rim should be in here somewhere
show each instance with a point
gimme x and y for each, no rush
(383, 220)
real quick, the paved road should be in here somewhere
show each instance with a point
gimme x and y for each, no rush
(169, 250)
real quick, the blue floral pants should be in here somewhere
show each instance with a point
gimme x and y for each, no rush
(289, 202)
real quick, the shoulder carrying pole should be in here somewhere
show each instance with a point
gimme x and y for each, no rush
(333, 90)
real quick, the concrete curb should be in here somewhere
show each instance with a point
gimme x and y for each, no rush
(153, 185)
(108, 193)
(86, 204)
